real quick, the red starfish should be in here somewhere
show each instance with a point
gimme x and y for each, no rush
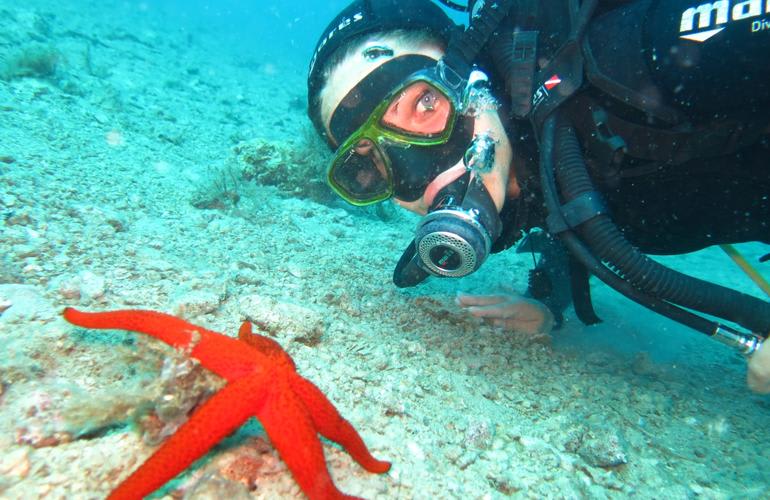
(262, 381)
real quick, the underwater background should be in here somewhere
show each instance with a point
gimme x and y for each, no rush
(157, 155)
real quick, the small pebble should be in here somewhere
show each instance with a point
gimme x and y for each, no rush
(92, 286)
(8, 200)
(415, 450)
(70, 288)
(31, 269)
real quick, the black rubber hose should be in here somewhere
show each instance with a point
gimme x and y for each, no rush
(587, 258)
(515, 65)
(651, 277)
(662, 307)
(501, 50)
(408, 272)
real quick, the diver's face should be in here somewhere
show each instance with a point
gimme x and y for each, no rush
(418, 108)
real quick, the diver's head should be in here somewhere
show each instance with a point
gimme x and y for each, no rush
(339, 40)
(406, 125)
(374, 96)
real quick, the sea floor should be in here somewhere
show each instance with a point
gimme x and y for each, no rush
(122, 186)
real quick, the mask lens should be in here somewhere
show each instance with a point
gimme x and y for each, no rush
(360, 174)
(419, 110)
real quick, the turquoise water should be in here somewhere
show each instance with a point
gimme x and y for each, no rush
(157, 155)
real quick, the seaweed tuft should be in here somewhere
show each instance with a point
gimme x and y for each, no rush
(34, 61)
(296, 167)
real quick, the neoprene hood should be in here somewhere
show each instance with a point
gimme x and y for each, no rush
(369, 16)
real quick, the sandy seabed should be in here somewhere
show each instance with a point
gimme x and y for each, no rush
(100, 165)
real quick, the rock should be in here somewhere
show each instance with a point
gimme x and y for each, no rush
(599, 447)
(86, 286)
(69, 288)
(26, 250)
(644, 365)
(283, 319)
(20, 218)
(114, 219)
(479, 434)
(247, 464)
(26, 304)
(213, 486)
(8, 200)
(92, 286)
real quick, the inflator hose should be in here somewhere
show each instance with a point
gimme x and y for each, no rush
(608, 243)
(583, 254)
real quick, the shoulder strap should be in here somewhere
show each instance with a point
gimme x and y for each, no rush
(464, 46)
(563, 76)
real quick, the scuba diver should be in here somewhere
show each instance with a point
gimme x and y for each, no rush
(592, 132)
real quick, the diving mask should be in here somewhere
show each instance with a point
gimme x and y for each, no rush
(418, 129)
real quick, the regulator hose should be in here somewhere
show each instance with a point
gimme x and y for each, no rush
(648, 276)
(583, 254)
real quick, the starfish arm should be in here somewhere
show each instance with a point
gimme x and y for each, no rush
(171, 330)
(265, 345)
(330, 424)
(223, 413)
(223, 355)
(291, 431)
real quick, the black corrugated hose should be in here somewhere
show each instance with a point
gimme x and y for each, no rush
(657, 282)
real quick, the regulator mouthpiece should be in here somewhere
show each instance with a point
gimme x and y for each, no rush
(452, 242)
(456, 236)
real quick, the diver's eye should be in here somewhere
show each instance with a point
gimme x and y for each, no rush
(427, 101)
(376, 51)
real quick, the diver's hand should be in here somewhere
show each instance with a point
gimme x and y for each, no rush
(512, 312)
(759, 370)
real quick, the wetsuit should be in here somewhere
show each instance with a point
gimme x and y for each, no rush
(683, 161)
